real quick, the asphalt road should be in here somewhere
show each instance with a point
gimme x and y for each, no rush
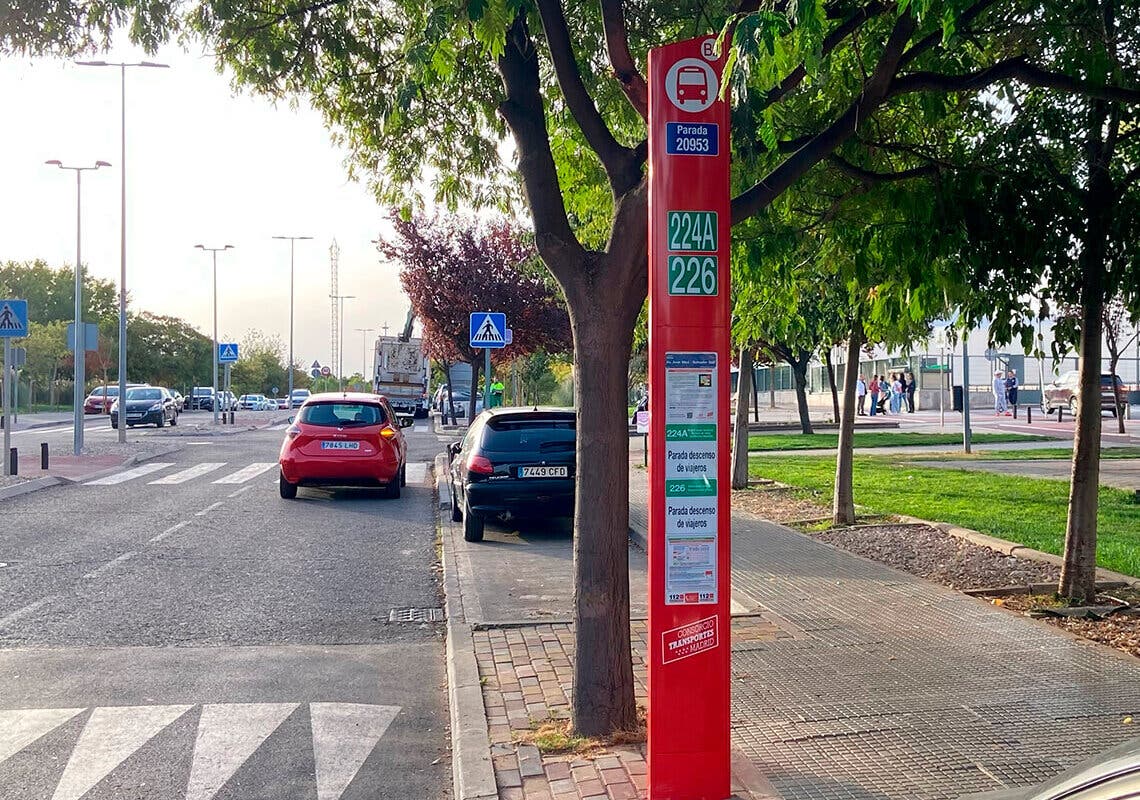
(178, 630)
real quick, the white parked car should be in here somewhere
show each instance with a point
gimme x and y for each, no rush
(254, 402)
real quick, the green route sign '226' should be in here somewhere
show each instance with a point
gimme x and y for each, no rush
(690, 233)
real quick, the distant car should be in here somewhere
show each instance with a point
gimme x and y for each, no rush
(516, 462)
(282, 403)
(462, 399)
(100, 399)
(1062, 393)
(1113, 775)
(179, 400)
(298, 397)
(344, 439)
(202, 398)
(146, 405)
(253, 402)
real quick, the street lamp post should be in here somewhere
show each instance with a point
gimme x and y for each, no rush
(213, 251)
(340, 298)
(364, 349)
(80, 340)
(123, 215)
(292, 241)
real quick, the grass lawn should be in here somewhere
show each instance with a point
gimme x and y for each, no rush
(829, 441)
(1043, 453)
(1030, 511)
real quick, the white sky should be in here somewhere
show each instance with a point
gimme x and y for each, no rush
(203, 165)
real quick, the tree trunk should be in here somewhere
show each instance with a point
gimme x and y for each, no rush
(740, 426)
(843, 500)
(799, 373)
(1078, 572)
(602, 698)
(831, 383)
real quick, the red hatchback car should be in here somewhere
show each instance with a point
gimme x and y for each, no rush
(344, 439)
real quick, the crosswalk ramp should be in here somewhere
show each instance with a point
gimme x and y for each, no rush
(217, 472)
(124, 745)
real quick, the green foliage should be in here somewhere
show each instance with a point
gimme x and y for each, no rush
(166, 351)
(261, 366)
(50, 292)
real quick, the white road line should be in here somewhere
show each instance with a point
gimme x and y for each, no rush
(95, 573)
(248, 473)
(417, 472)
(344, 734)
(227, 736)
(28, 609)
(130, 474)
(169, 531)
(239, 491)
(208, 508)
(21, 727)
(421, 428)
(196, 471)
(110, 737)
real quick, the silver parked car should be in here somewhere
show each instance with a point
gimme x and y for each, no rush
(1112, 775)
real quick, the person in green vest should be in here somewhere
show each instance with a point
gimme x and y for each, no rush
(496, 394)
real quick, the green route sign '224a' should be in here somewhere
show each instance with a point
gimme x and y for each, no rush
(691, 233)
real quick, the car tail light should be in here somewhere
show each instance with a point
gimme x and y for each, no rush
(293, 431)
(387, 432)
(479, 465)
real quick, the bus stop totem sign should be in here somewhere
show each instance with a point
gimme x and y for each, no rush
(689, 520)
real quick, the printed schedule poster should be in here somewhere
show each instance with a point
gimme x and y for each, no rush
(691, 462)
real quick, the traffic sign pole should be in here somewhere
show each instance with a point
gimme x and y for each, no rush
(7, 404)
(689, 503)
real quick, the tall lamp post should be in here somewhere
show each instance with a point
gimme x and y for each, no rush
(122, 65)
(364, 349)
(213, 251)
(292, 240)
(340, 298)
(80, 340)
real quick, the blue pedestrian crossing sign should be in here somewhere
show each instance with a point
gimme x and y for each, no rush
(227, 353)
(488, 330)
(13, 319)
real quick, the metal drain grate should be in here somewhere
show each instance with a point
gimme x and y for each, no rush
(415, 615)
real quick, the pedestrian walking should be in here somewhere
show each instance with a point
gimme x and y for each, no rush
(909, 387)
(1000, 407)
(873, 390)
(861, 395)
(1011, 388)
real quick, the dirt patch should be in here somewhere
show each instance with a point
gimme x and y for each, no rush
(929, 553)
(778, 505)
(1121, 631)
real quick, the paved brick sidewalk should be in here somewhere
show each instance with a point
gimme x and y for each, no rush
(899, 688)
(526, 674)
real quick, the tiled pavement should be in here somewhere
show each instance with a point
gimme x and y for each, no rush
(900, 688)
(852, 682)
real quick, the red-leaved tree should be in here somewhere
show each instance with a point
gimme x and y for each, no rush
(453, 266)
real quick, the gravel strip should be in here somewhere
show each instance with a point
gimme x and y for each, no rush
(12, 480)
(1121, 631)
(777, 505)
(937, 556)
(139, 446)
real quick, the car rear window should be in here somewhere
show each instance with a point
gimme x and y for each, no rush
(144, 394)
(1107, 380)
(342, 415)
(546, 434)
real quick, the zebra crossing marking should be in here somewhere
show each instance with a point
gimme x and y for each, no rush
(343, 735)
(130, 474)
(248, 473)
(196, 471)
(417, 472)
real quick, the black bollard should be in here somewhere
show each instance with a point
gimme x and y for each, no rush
(14, 461)
(1029, 415)
(44, 456)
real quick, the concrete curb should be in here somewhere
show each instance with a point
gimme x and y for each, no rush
(27, 487)
(472, 771)
(1009, 548)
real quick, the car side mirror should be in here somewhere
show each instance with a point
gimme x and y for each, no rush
(453, 450)
(292, 420)
(407, 422)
